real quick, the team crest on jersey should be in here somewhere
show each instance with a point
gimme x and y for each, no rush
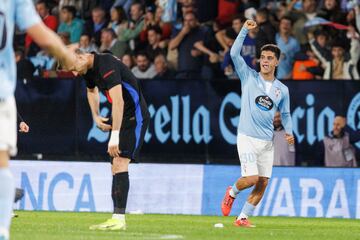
(264, 103)
(277, 92)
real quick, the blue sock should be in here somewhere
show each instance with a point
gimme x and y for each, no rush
(247, 210)
(7, 194)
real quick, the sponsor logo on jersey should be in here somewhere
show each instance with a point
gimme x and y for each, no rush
(264, 103)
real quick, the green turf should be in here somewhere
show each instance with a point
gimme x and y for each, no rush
(60, 225)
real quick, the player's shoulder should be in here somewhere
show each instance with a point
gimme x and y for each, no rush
(282, 86)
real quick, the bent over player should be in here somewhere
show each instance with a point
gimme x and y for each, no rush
(262, 96)
(130, 119)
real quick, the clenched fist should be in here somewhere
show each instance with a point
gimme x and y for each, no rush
(250, 24)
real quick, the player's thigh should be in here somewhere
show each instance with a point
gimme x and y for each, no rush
(8, 132)
(247, 156)
(266, 160)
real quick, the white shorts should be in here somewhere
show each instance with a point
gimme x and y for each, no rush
(256, 156)
(8, 125)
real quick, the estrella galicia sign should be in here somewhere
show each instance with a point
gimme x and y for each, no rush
(264, 103)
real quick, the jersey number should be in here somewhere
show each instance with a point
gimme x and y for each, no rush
(3, 33)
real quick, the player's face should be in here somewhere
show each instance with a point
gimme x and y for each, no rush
(268, 62)
(81, 65)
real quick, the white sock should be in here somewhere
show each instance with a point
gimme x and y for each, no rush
(231, 192)
(7, 194)
(242, 215)
(120, 217)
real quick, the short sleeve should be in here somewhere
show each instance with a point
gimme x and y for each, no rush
(110, 72)
(89, 81)
(25, 14)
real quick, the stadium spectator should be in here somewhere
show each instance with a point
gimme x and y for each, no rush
(144, 69)
(289, 46)
(307, 12)
(163, 72)
(93, 27)
(155, 45)
(135, 25)
(110, 43)
(306, 65)
(155, 21)
(24, 68)
(284, 154)
(321, 42)
(125, 4)
(71, 24)
(338, 150)
(267, 31)
(85, 45)
(77, 4)
(227, 64)
(128, 60)
(338, 66)
(188, 59)
(31, 49)
(65, 37)
(237, 22)
(118, 19)
(331, 11)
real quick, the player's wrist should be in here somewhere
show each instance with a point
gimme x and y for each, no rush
(114, 138)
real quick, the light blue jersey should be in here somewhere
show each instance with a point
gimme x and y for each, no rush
(23, 14)
(257, 107)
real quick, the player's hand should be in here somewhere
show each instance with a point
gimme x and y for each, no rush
(250, 24)
(23, 127)
(113, 145)
(100, 123)
(290, 139)
(114, 151)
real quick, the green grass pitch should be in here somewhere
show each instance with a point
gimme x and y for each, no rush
(71, 226)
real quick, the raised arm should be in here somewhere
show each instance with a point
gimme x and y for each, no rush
(242, 69)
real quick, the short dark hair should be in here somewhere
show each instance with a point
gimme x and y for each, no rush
(230, 33)
(43, 2)
(272, 48)
(111, 31)
(156, 29)
(286, 18)
(70, 9)
(240, 17)
(263, 12)
(142, 53)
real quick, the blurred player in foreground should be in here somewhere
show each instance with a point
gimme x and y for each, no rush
(130, 119)
(22, 13)
(262, 96)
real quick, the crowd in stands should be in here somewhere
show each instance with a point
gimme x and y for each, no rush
(191, 39)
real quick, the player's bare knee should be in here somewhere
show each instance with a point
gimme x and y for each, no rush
(120, 165)
(263, 182)
(253, 180)
(4, 159)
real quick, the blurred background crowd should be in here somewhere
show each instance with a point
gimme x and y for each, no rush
(191, 39)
